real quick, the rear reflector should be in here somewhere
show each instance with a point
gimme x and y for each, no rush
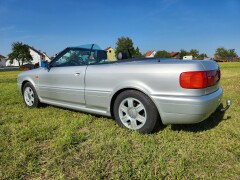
(199, 79)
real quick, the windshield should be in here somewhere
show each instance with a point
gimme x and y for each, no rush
(81, 55)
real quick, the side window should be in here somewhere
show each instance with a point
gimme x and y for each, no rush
(72, 57)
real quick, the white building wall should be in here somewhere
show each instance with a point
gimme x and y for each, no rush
(15, 63)
(36, 59)
(152, 55)
(187, 57)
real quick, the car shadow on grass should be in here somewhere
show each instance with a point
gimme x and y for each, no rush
(211, 122)
(159, 125)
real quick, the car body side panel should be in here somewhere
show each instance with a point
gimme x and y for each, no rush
(92, 92)
(62, 84)
(104, 80)
(98, 99)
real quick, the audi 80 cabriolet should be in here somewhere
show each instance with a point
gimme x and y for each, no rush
(137, 93)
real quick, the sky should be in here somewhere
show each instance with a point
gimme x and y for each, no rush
(52, 25)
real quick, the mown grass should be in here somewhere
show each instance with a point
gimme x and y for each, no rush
(57, 143)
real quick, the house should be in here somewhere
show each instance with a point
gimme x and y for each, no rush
(110, 53)
(226, 59)
(187, 57)
(175, 55)
(150, 54)
(37, 56)
(46, 57)
(2, 61)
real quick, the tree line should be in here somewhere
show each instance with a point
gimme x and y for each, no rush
(21, 53)
(125, 44)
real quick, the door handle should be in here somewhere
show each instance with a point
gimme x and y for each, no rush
(77, 74)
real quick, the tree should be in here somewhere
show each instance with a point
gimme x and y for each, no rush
(162, 54)
(194, 53)
(138, 54)
(125, 44)
(20, 53)
(223, 53)
(182, 53)
(232, 53)
(202, 56)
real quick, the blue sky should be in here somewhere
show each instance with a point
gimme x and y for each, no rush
(52, 25)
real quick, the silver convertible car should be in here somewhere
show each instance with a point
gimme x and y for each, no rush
(138, 93)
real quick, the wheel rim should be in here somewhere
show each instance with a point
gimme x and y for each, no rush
(132, 113)
(29, 96)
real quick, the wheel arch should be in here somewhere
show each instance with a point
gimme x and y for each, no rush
(25, 82)
(126, 89)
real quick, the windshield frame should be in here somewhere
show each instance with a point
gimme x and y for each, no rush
(78, 48)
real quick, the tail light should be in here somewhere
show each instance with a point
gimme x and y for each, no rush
(199, 79)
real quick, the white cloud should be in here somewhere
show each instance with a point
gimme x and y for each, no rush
(162, 6)
(6, 28)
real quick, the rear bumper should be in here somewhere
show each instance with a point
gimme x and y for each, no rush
(187, 110)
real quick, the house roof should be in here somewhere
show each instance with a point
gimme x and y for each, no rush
(173, 54)
(36, 51)
(149, 53)
(40, 53)
(1, 56)
(108, 48)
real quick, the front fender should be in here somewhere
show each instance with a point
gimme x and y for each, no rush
(28, 76)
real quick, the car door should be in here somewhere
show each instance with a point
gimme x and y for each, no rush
(63, 81)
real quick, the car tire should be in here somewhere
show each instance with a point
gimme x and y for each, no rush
(30, 96)
(136, 111)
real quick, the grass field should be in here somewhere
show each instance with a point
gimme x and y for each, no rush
(56, 143)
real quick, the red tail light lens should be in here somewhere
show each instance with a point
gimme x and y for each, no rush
(199, 79)
(193, 80)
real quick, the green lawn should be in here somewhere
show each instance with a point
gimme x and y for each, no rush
(52, 142)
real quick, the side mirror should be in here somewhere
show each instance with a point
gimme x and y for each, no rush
(44, 64)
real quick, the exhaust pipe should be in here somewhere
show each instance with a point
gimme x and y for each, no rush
(228, 104)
